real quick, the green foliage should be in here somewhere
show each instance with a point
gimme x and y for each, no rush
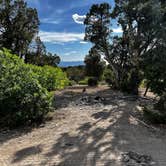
(137, 54)
(93, 81)
(97, 31)
(75, 73)
(155, 69)
(18, 25)
(157, 114)
(94, 65)
(84, 81)
(22, 98)
(143, 26)
(108, 76)
(38, 55)
(90, 81)
(97, 24)
(49, 77)
(126, 72)
(154, 116)
(143, 83)
(128, 52)
(143, 40)
(155, 73)
(128, 83)
(72, 83)
(61, 78)
(131, 81)
(161, 104)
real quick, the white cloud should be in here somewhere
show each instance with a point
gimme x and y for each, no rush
(83, 42)
(60, 37)
(117, 30)
(79, 19)
(70, 53)
(49, 21)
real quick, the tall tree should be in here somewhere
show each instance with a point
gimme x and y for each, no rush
(141, 25)
(51, 59)
(97, 28)
(155, 59)
(38, 55)
(36, 52)
(94, 65)
(18, 25)
(97, 31)
(97, 24)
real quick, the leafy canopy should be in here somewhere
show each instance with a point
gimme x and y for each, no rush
(18, 25)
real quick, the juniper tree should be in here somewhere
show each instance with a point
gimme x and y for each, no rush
(141, 25)
(97, 31)
(38, 55)
(94, 66)
(18, 25)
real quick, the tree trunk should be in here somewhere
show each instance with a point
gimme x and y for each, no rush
(147, 88)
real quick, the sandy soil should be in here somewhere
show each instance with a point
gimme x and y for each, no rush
(85, 135)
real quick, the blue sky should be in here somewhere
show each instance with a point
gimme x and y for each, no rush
(61, 26)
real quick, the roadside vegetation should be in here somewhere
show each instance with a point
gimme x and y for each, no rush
(28, 73)
(136, 55)
(25, 90)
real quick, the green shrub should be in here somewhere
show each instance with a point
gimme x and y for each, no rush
(131, 81)
(51, 78)
(108, 76)
(143, 84)
(161, 104)
(61, 77)
(154, 116)
(157, 113)
(72, 82)
(22, 98)
(84, 82)
(93, 81)
(75, 73)
(127, 81)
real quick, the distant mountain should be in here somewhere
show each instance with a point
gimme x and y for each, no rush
(70, 63)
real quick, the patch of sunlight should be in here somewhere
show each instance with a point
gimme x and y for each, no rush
(89, 140)
(139, 108)
(133, 121)
(114, 156)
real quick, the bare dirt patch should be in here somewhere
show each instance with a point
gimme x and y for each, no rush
(86, 134)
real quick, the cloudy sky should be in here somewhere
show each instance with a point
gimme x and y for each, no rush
(61, 26)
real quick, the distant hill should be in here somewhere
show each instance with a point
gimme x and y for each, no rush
(70, 63)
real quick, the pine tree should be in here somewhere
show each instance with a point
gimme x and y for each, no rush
(18, 25)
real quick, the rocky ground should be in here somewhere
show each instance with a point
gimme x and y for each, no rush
(99, 127)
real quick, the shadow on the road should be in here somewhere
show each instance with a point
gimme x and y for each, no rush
(26, 152)
(100, 140)
(6, 135)
(66, 97)
(60, 101)
(93, 144)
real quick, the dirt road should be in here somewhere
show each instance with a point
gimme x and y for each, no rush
(85, 135)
